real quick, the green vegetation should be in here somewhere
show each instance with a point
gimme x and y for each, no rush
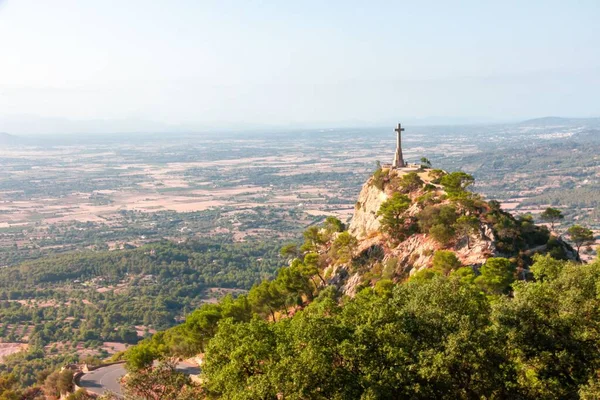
(438, 337)
(158, 292)
(497, 274)
(392, 214)
(439, 222)
(465, 226)
(552, 215)
(456, 183)
(580, 235)
(445, 261)
(380, 176)
(85, 299)
(343, 247)
(408, 183)
(58, 383)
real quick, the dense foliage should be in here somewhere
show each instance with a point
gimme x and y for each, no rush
(440, 337)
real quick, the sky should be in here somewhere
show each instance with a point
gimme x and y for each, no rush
(151, 65)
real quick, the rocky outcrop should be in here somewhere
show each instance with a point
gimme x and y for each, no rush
(415, 252)
(377, 250)
(365, 221)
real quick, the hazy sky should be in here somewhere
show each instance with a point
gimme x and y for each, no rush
(149, 64)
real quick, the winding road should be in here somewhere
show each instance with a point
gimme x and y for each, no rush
(108, 379)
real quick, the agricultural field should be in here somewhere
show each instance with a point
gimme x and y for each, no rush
(60, 194)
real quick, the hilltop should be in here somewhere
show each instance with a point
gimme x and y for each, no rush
(404, 216)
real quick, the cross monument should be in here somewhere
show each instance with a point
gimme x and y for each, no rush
(398, 159)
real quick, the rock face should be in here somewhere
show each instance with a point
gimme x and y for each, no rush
(416, 251)
(365, 221)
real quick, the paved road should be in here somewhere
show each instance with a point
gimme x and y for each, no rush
(108, 379)
(102, 380)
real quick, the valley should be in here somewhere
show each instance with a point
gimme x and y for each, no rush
(105, 242)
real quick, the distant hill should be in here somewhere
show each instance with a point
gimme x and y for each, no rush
(554, 121)
(6, 138)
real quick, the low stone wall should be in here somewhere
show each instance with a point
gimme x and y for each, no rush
(76, 377)
(89, 369)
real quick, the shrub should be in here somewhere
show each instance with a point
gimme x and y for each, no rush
(442, 234)
(409, 182)
(392, 214)
(433, 215)
(445, 261)
(380, 177)
(497, 274)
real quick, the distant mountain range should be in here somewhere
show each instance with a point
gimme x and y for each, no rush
(7, 138)
(554, 121)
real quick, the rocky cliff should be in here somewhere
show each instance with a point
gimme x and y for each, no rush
(493, 233)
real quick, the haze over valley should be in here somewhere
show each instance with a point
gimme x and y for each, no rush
(299, 201)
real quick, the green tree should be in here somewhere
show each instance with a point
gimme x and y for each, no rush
(497, 274)
(409, 182)
(580, 235)
(238, 308)
(266, 298)
(392, 214)
(552, 215)
(202, 324)
(58, 383)
(238, 360)
(465, 226)
(343, 247)
(438, 221)
(162, 382)
(441, 233)
(141, 356)
(464, 275)
(312, 266)
(546, 268)
(437, 215)
(333, 225)
(380, 176)
(551, 331)
(9, 388)
(508, 231)
(445, 261)
(290, 250)
(313, 238)
(80, 394)
(456, 183)
(294, 283)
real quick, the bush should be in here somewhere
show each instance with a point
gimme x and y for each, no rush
(442, 234)
(456, 182)
(392, 214)
(434, 215)
(409, 182)
(445, 261)
(497, 274)
(380, 177)
(438, 222)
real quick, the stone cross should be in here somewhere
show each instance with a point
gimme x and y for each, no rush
(399, 159)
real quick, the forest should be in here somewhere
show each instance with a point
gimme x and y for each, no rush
(441, 335)
(64, 304)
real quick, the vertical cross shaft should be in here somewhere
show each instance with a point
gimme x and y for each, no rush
(399, 159)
